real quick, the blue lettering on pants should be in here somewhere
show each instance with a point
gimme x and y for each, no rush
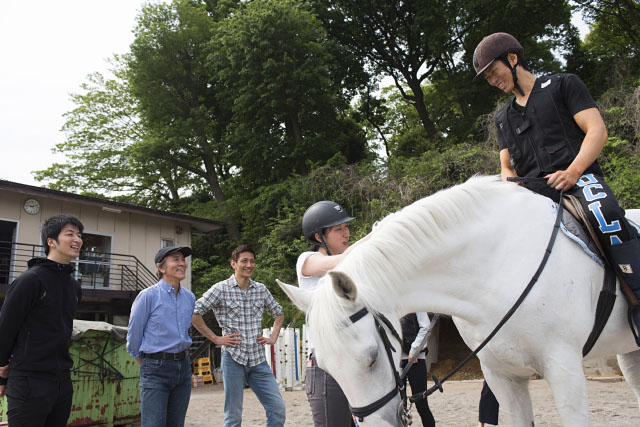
(589, 184)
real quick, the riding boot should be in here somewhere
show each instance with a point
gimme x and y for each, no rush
(625, 258)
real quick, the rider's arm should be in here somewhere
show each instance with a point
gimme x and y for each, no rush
(317, 265)
(591, 123)
(506, 170)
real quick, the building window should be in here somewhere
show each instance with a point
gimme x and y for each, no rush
(93, 266)
(164, 243)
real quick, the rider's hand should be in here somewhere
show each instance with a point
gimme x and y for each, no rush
(562, 180)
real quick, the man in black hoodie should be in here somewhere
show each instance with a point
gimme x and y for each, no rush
(35, 330)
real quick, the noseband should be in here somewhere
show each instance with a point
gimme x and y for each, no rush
(381, 321)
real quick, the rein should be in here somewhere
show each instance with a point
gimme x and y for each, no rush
(525, 292)
(363, 411)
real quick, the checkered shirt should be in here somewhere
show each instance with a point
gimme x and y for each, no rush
(240, 312)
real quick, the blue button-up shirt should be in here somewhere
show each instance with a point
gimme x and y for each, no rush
(160, 320)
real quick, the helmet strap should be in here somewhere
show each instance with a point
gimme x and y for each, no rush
(513, 73)
(515, 80)
(324, 245)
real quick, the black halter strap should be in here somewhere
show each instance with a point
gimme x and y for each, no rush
(381, 321)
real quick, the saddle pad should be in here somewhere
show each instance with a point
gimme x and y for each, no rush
(572, 228)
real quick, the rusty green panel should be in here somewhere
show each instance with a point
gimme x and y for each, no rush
(105, 382)
(3, 410)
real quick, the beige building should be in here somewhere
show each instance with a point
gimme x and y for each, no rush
(120, 241)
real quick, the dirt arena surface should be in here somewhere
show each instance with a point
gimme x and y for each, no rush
(611, 403)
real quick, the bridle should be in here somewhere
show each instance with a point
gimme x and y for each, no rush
(403, 411)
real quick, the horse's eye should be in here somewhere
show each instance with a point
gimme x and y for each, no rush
(371, 357)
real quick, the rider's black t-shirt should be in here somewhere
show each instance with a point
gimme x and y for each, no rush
(542, 137)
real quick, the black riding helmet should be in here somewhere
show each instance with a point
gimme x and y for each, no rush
(497, 46)
(322, 215)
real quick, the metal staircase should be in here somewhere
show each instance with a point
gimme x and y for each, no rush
(201, 344)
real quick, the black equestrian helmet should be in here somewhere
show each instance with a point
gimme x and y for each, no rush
(322, 215)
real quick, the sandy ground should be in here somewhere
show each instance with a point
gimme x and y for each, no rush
(611, 403)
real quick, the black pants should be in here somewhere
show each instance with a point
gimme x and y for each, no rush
(39, 401)
(489, 407)
(417, 377)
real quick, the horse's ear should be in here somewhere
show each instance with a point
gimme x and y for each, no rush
(300, 297)
(343, 285)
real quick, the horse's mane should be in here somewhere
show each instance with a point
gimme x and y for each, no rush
(419, 227)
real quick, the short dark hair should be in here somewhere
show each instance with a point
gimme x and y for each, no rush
(54, 225)
(242, 248)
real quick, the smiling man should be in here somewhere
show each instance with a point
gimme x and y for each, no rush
(238, 304)
(552, 130)
(158, 338)
(35, 330)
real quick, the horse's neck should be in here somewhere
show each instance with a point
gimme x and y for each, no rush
(483, 258)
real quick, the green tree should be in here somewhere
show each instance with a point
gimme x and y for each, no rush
(104, 149)
(431, 42)
(287, 111)
(610, 53)
(177, 100)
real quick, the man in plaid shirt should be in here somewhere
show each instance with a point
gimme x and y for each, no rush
(238, 304)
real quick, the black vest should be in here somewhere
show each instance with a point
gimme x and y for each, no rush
(544, 137)
(410, 328)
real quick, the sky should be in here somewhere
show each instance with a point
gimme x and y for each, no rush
(48, 49)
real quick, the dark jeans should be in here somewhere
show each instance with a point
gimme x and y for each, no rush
(329, 406)
(489, 406)
(165, 390)
(39, 401)
(417, 377)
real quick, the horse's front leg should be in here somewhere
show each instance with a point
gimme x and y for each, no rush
(565, 374)
(513, 396)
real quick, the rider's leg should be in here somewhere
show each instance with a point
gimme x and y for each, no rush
(618, 238)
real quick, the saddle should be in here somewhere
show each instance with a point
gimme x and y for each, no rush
(607, 296)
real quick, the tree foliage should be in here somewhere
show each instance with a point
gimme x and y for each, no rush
(287, 112)
(250, 111)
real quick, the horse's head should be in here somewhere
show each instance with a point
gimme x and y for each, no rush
(348, 337)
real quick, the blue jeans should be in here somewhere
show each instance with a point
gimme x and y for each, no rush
(263, 384)
(165, 390)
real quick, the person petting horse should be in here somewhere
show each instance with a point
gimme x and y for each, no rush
(552, 129)
(325, 225)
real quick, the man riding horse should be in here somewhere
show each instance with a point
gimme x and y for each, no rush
(552, 129)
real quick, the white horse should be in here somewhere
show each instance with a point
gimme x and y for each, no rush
(469, 251)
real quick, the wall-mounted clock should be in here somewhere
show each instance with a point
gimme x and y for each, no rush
(31, 206)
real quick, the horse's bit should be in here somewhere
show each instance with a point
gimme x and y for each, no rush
(403, 411)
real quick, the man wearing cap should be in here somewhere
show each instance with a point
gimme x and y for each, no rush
(158, 338)
(552, 130)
